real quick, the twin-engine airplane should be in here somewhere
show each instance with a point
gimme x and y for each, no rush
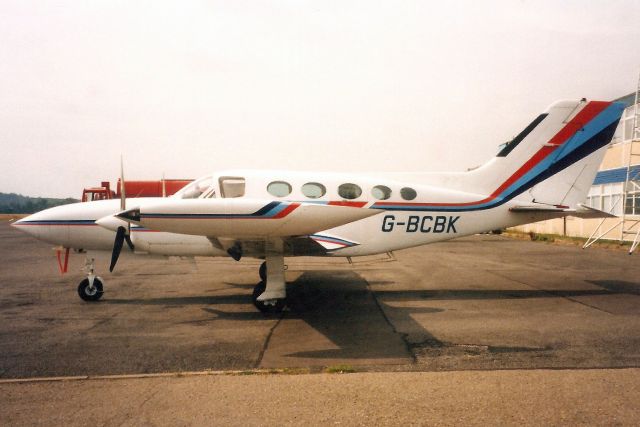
(544, 172)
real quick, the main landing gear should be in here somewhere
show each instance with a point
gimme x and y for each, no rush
(272, 306)
(90, 289)
(269, 296)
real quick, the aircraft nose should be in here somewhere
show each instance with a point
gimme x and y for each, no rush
(27, 225)
(16, 222)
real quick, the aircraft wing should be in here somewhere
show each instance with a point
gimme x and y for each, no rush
(315, 244)
(582, 211)
(243, 218)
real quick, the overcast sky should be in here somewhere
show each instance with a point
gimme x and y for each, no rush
(186, 88)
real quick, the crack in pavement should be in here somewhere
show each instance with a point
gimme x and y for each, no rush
(403, 336)
(267, 340)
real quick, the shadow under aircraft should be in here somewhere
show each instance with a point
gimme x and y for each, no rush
(340, 306)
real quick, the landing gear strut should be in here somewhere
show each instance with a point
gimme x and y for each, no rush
(90, 289)
(269, 296)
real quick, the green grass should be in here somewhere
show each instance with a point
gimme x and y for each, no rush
(339, 369)
(273, 371)
(556, 238)
(535, 237)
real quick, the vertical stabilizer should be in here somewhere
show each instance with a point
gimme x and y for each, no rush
(553, 160)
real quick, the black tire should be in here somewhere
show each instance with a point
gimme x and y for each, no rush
(88, 294)
(276, 308)
(263, 271)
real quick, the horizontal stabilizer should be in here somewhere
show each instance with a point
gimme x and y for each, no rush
(584, 211)
(581, 212)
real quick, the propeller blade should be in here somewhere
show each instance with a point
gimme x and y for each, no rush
(123, 205)
(117, 246)
(123, 196)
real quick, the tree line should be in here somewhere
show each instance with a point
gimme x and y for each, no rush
(16, 203)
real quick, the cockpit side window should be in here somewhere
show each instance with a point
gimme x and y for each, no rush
(209, 194)
(197, 188)
(232, 186)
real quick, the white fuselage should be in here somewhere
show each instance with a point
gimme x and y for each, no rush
(389, 227)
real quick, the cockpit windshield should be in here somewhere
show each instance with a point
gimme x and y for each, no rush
(202, 187)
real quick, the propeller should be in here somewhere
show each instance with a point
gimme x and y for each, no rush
(122, 234)
(117, 246)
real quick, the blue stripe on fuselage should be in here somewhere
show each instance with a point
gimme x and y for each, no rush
(270, 210)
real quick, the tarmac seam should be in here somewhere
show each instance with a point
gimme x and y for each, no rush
(280, 372)
(403, 336)
(551, 293)
(123, 376)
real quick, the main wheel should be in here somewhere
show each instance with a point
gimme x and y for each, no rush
(272, 307)
(88, 293)
(263, 271)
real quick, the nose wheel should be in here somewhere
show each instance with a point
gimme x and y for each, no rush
(90, 291)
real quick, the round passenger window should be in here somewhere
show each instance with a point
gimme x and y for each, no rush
(279, 188)
(313, 190)
(349, 191)
(408, 193)
(381, 192)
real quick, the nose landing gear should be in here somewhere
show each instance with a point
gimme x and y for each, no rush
(90, 289)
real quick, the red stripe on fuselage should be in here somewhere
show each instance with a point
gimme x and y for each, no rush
(286, 211)
(350, 204)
